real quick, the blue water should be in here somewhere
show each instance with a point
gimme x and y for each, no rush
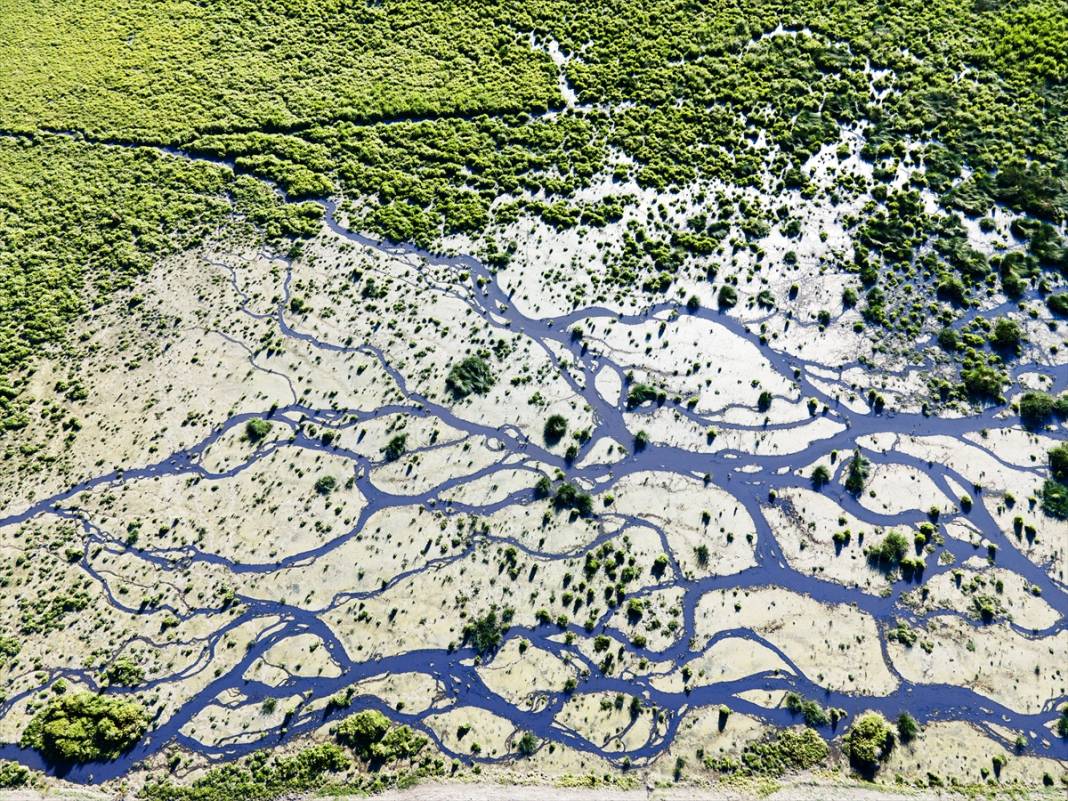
(460, 681)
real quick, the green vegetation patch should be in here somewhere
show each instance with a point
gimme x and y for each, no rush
(787, 751)
(163, 71)
(260, 776)
(84, 727)
(868, 742)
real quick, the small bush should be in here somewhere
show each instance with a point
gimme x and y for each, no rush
(396, 447)
(821, 476)
(857, 474)
(528, 744)
(907, 727)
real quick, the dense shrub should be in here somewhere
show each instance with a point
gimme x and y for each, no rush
(1055, 499)
(1036, 408)
(641, 393)
(1058, 462)
(907, 727)
(83, 727)
(395, 447)
(362, 730)
(568, 496)
(256, 429)
(13, 775)
(124, 672)
(555, 428)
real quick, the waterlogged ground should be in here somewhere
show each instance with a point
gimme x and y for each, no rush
(691, 428)
(344, 548)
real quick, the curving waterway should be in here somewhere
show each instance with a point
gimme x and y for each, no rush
(454, 670)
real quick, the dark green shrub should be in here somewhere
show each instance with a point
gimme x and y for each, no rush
(396, 447)
(484, 633)
(814, 714)
(1006, 335)
(907, 727)
(528, 744)
(568, 496)
(890, 551)
(639, 394)
(1036, 408)
(1058, 462)
(1055, 499)
(256, 429)
(820, 476)
(469, 376)
(555, 428)
(857, 473)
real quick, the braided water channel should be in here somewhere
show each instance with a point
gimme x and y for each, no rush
(751, 479)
